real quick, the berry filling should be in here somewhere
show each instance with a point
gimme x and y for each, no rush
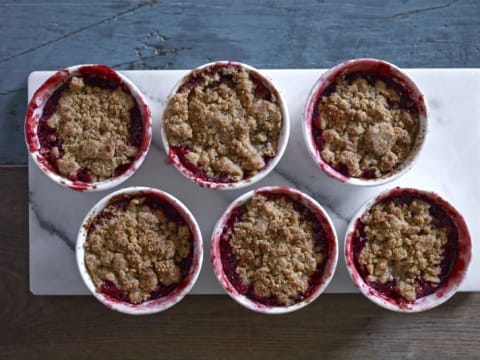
(74, 133)
(199, 172)
(223, 124)
(364, 124)
(423, 251)
(139, 248)
(295, 252)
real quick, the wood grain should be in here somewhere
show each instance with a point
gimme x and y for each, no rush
(149, 34)
(210, 327)
(47, 35)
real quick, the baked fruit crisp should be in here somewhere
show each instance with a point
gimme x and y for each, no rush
(91, 129)
(405, 246)
(223, 123)
(138, 248)
(274, 250)
(365, 124)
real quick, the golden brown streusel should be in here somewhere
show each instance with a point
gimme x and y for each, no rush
(402, 244)
(275, 247)
(93, 125)
(228, 129)
(136, 248)
(364, 130)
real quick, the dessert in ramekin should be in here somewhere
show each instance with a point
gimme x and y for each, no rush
(139, 250)
(407, 250)
(88, 127)
(225, 126)
(274, 250)
(365, 122)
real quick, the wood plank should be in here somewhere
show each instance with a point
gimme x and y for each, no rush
(335, 326)
(150, 34)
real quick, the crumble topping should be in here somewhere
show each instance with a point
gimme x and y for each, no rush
(365, 132)
(403, 245)
(228, 124)
(276, 248)
(93, 129)
(137, 248)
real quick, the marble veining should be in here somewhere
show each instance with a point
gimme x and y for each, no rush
(447, 165)
(50, 226)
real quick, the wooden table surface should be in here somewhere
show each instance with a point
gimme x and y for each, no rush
(47, 35)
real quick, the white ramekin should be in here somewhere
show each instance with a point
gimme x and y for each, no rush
(35, 110)
(330, 266)
(444, 292)
(282, 144)
(155, 305)
(372, 66)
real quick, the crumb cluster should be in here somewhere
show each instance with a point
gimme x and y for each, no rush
(229, 127)
(276, 248)
(403, 245)
(137, 247)
(364, 130)
(93, 129)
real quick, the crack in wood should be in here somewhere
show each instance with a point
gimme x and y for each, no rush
(153, 43)
(417, 11)
(143, 60)
(8, 92)
(83, 28)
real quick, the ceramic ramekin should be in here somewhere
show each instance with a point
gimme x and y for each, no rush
(374, 66)
(331, 259)
(441, 294)
(151, 306)
(40, 99)
(282, 143)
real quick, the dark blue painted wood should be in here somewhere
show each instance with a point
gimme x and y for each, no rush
(47, 35)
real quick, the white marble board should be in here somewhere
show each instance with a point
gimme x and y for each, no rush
(449, 165)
